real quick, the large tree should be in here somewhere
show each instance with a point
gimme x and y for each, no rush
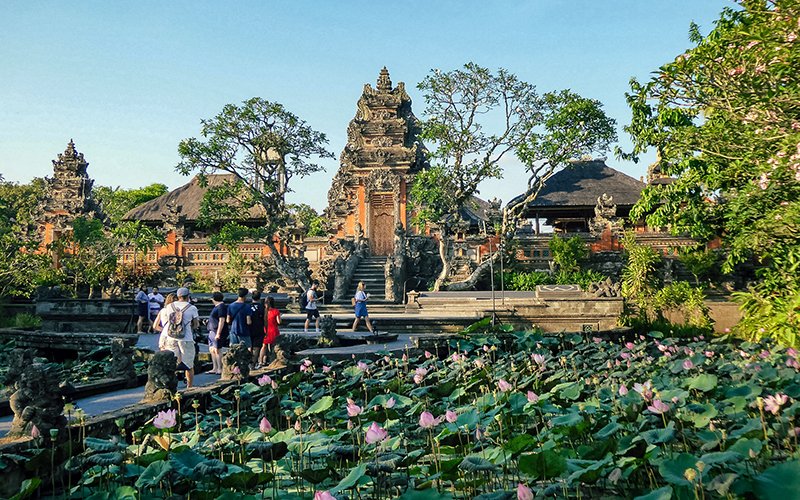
(116, 202)
(263, 147)
(725, 119)
(473, 119)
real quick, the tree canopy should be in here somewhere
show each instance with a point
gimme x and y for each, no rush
(725, 119)
(264, 147)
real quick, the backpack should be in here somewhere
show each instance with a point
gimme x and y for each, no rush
(304, 300)
(175, 323)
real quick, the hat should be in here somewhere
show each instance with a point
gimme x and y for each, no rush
(183, 292)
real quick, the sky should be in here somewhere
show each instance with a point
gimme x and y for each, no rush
(129, 80)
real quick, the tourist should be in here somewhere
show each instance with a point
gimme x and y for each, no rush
(360, 306)
(142, 310)
(217, 331)
(161, 320)
(183, 347)
(156, 301)
(257, 325)
(272, 318)
(312, 312)
(239, 319)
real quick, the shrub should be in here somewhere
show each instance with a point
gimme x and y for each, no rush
(568, 254)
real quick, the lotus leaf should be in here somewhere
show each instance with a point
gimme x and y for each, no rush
(779, 482)
(664, 493)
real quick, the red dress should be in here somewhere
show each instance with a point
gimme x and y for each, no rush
(273, 315)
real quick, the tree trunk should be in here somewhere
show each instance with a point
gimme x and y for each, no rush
(443, 240)
(288, 269)
(471, 282)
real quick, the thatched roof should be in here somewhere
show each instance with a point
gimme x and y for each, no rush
(188, 197)
(475, 210)
(579, 186)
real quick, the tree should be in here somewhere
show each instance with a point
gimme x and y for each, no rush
(313, 223)
(724, 117)
(116, 202)
(86, 256)
(263, 146)
(474, 118)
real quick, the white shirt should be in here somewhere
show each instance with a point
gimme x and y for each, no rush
(311, 295)
(156, 301)
(189, 314)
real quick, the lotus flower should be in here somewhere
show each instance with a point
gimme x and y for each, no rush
(165, 419)
(236, 370)
(687, 364)
(362, 366)
(532, 397)
(773, 403)
(644, 390)
(791, 352)
(478, 433)
(450, 416)
(485, 348)
(428, 355)
(265, 426)
(390, 403)
(630, 345)
(419, 374)
(479, 363)
(326, 369)
(596, 340)
(658, 407)
(307, 362)
(538, 359)
(427, 420)
(298, 426)
(615, 475)
(504, 386)
(353, 410)
(265, 380)
(274, 385)
(35, 434)
(524, 493)
(323, 495)
(623, 390)
(375, 433)
(625, 355)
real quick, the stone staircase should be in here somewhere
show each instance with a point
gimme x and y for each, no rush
(371, 271)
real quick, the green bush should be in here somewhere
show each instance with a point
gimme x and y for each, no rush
(22, 320)
(687, 300)
(568, 254)
(527, 281)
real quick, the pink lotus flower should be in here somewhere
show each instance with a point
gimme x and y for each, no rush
(35, 434)
(630, 345)
(274, 385)
(428, 355)
(625, 355)
(485, 348)
(450, 416)
(644, 390)
(353, 410)
(532, 397)
(764, 354)
(387, 359)
(307, 362)
(504, 386)
(596, 340)
(538, 359)
(165, 419)
(792, 363)
(236, 370)
(523, 492)
(324, 495)
(687, 364)
(326, 368)
(405, 358)
(266, 379)
(298, 426)
(791, 352)
(658, 407)
(419, 374)
(709, 354)
(264, 426)
(375, 433)
(427, 420)
(773, 403)
(362, 366)
(390, 403)
(478, 433)
(623, 390)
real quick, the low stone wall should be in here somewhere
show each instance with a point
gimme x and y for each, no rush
(75, 341)
(86, 315)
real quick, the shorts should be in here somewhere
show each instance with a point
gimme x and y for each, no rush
(312, 313)
(212, 340)
(361, 310)
(142, 309)
(184, 350)
(154, 314)
(236, 339)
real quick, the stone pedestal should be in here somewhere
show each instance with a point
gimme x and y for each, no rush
(161, 380)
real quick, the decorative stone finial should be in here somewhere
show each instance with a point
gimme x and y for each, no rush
(384, 82)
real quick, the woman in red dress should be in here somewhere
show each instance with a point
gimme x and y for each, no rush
(272, 318)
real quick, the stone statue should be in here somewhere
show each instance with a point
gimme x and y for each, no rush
(35, 399)
(395, 270)
(606, 288)
(605, 216)
(121, 365)
(327, 326)
(162, 382)
(237, 357)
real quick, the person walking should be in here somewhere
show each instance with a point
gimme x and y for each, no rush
(183, 346)
(360, 306)
(312, 311)
(272, 319)
(142, 310)
(257, 326)
(217, 331)
(239, 319)
(156, 302)
(161, 320)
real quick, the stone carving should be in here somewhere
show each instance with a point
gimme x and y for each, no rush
(161, 380)
(383, 180)
(605, 216)
(121, 365)
(35, 400)
(422, 259)
(395, 270)
(327, 327)
(606, 288)
(238, 356)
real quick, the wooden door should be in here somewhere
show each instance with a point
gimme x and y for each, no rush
(381, 236)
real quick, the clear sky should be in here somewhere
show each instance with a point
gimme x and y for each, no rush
(129, 80)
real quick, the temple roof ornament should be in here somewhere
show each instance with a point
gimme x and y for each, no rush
(69, 191)
(384, 82)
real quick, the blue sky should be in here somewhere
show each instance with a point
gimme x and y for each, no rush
(129, 80)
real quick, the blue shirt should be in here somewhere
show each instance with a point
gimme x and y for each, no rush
(219, 313)
(239, 312)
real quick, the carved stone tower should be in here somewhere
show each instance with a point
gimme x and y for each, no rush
(69, 193)
(377, 165)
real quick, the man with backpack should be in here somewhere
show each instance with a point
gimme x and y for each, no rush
(240, 317)
(309, 303)
(182, 320)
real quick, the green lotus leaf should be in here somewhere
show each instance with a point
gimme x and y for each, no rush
(476, 464)
(106, 459)
(664, 493)
(703, 382)
(779, 482)
(352, 478)
(154, 473)
(673, 470)
(744, 446)
(321, 405)
(544, 465)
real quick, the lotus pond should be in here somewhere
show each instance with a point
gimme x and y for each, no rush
(509, 415)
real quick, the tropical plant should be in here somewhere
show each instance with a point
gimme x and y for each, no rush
(638, 276)
(568, 253)
(686, 300)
